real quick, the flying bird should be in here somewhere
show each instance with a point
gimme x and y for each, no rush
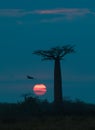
(30, 77)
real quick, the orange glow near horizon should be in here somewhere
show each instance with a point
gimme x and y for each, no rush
(39, 89)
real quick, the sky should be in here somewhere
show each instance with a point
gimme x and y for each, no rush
(29, 25)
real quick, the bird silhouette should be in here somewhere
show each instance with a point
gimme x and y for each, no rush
(30, 77)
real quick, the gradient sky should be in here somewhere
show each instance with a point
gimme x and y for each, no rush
(29, 25)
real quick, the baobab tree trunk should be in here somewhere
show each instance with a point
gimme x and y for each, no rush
(57, 82)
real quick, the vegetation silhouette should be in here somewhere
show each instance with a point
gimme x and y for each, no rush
(25, 96)
(33, 107)
(56, 54)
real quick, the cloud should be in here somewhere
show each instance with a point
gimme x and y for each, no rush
(11, 12)
(12, 78)
(79, 78)
(65, 11)
(52, 20)
(19, 22)
(68, 11)
(63, 14)
(14, 12)
(54, 14)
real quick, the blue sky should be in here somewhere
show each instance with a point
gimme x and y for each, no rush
(26, 26)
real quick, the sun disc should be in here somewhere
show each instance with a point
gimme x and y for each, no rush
(39, 89)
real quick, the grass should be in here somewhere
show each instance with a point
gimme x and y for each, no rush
(52, 123)
(32, 115)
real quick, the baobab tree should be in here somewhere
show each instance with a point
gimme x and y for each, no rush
(56, 54)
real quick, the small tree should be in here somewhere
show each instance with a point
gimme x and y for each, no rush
(56, 54)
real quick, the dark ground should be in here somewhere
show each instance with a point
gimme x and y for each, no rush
(33, 114)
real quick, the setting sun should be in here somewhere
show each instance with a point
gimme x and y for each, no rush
(39, 89)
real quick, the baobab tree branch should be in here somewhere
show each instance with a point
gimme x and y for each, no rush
(47, 55)
(67, 50)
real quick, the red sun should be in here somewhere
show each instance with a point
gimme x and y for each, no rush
(39, 89)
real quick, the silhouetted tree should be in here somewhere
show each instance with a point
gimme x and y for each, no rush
(26, 96)
(56, 54)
